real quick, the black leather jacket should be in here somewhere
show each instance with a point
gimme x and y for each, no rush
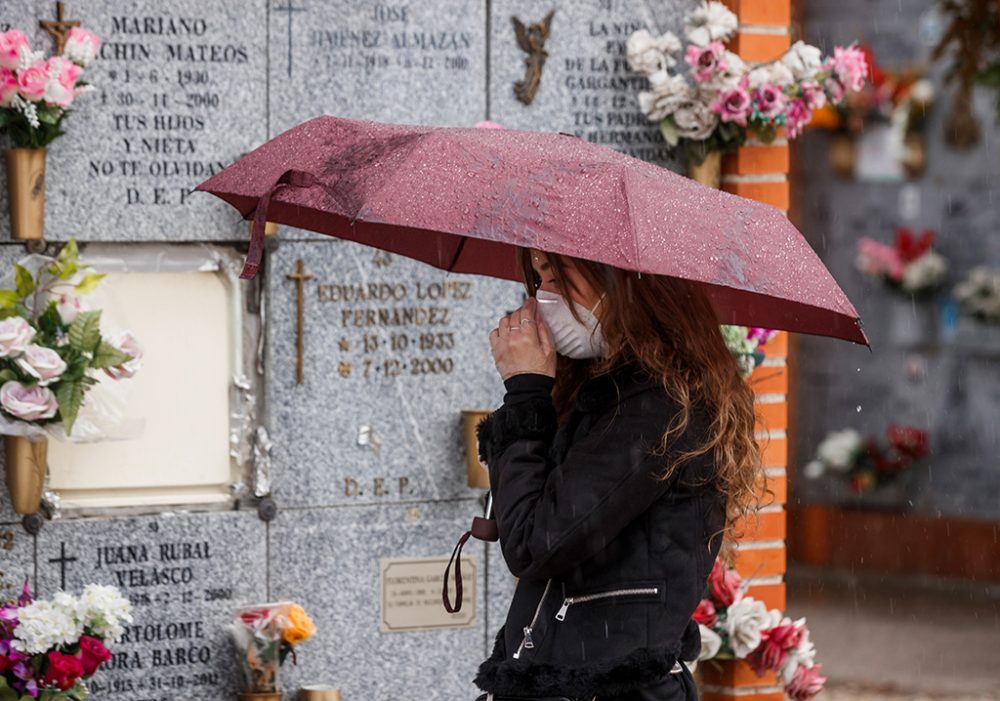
(611, 562)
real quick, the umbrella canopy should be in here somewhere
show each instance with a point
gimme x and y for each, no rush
(464, 199)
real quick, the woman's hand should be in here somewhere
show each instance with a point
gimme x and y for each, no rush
(521, 343)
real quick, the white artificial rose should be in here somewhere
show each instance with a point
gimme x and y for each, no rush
(803, 654)
(803, 60)
(126, 343)
(28, 403)
(42, 625)
(668, 93)
(711, 643)
(839, 448)
(695, 120)
(16, 334)
(926, 272)
(104, 609)
(745, 619)
(814, 469)
(710, 21)
(42, 363)
(647, 54)
(728, 78)
(922, 91)
(774, 73)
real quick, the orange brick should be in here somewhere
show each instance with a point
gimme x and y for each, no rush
(762, 696)
(777, 347)
(776, 491)
(763, 562)
(760, 47)
(770, 12)
(774, 452)
(769, 380)
(749, 160)
(733, 673)
(772, 417)
(773, 193)
(769, 525)
(773, 595)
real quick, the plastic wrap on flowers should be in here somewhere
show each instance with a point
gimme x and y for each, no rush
(53, 356)
(264, 635)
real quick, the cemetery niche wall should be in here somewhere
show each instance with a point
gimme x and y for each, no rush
(338, 471)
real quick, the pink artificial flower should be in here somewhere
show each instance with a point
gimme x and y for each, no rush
(797, 116)
(28, 403)
(805, 684)
(8, 87)
(835, 90)
(11, 43)
(705, 614)
(774, 646)
(33, 80)
(850, 66)
(63, 75)
(812, 93)
(126, 343)
(761, 335)
(724, 585)
(875, 258)
(770, 100)
(706, 60)
(734, 106)
(81, 46)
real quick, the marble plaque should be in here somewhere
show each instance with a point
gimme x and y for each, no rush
(410, 62)
(184, 575)
(586, 87)
(328, 559)
(394, 350)
(411, 594)
(180, 93)
(17, 560)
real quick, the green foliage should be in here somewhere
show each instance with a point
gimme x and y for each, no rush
(107, 356)
(25, 281)
(16, 125)
(8, 299)
(89, 282)
(69, 395)
(85, 331)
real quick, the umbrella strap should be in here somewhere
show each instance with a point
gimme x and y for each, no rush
(482, 529)
(290, 178)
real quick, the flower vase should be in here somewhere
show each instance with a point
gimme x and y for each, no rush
(912, 324)
(26, 187)
(709, 171)
(25, 465)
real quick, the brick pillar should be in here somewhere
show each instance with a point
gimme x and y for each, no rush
(760, 172)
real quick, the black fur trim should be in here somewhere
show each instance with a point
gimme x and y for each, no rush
(621, 675)
(534, 419)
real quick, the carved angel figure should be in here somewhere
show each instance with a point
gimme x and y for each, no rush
(531, 39)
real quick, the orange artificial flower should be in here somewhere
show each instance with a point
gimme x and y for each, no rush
(825, 117)
(300, 626)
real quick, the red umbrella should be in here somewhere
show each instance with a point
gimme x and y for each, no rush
(462, 199)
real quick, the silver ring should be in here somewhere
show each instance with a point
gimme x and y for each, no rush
(513, 328)
(526, 321)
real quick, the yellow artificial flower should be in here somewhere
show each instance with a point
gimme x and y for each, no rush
(300, 626)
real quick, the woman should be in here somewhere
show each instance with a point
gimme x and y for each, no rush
(622, 455)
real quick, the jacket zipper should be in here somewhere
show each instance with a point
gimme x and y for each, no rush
(569, 601)
(526, 641)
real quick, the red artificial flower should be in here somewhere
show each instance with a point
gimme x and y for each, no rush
(254, 615)
(92, 654)
(878, 76)
(910, 441)
(909, 247)
(805, 684)
(705, 614)
(5, 662)
(724, 585)
(63, 670)
(861, 482)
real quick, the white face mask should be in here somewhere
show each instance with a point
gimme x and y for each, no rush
(571, 338)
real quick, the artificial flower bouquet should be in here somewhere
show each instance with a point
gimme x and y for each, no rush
(36, 92)
(722, 99)
(979, 294)
(745, 342)
(265, 635)
(48, 649)
(910, 266)
(868, 463)
(51, 342)
(734, 626)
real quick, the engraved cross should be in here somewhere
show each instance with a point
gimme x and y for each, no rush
(300, 276)
(288, 8)
(62, 560)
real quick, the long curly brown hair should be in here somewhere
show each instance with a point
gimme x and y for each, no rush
(667, 326)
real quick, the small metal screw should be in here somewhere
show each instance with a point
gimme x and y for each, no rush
(33, 523)
(267, 509)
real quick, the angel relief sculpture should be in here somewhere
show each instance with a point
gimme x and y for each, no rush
(532, 39)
